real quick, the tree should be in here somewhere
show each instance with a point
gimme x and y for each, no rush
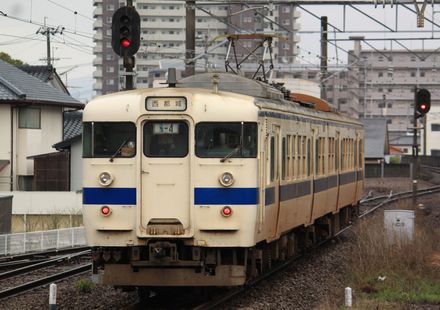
(15, 62)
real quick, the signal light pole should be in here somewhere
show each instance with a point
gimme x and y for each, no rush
(422, 105)
(126, 24)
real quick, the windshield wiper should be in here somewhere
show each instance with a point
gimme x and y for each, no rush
(118, 150)
(238, 148)
(233, 152)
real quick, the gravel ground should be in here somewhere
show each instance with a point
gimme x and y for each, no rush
(314, 282)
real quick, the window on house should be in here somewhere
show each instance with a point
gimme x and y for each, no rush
(380, 74)
(422, 74)
(110, 82)
(29, 118)
(435, 127)
(110, 69)
(110, 7)
(25, 182)
(413, 74)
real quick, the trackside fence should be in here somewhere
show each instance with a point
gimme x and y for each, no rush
(19, 243)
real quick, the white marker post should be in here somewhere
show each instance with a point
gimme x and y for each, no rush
(348, 297)
(53, 297)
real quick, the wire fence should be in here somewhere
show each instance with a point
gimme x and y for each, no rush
(19, 243)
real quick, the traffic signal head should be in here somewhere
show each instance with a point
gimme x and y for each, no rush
(423, 101)
(126, 25)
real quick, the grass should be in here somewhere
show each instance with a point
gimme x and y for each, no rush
(84, 285)
(411, 268)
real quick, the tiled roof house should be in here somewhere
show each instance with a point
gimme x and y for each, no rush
(31, 121)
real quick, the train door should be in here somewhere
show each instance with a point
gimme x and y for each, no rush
(165, 177)
(272, 199)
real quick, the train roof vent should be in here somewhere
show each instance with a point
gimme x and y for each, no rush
(312, 102)
(232, 83)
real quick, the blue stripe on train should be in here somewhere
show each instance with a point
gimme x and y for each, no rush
(225, 196)
(109, 196)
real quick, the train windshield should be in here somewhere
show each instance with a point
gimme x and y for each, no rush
(224, 140)
(109, 139)
(166, 139)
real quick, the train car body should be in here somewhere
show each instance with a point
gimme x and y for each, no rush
(196, 186)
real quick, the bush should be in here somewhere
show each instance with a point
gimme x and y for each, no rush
(84, 285)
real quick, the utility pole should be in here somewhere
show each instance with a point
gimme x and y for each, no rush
(47, 31)
(415, 152)
(190, 44)
(323, 55)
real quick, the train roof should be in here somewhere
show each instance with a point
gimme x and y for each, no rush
(267, 96)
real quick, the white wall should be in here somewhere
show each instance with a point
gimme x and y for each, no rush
(5, 145)
(432, 137)
(76, 169)
(45, 202)
(39, 141)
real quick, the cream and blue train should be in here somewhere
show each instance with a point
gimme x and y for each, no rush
(211, 182)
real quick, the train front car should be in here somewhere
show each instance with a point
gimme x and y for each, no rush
(170, 178)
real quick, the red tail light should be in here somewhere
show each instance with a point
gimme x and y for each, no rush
(106, 211)
(226, 211)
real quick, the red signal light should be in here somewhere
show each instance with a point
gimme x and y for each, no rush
(125, 42)
(226, 211)
(423, 106)
(106, 211)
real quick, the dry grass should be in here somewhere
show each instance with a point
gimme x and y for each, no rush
(403, 272)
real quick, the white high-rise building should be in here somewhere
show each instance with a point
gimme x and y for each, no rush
(163, 37)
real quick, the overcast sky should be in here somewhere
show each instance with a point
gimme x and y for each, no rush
(74, 46)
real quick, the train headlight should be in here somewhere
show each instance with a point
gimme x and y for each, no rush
(105, 178)
(226, 179)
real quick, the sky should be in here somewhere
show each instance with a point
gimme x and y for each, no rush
(73, 49)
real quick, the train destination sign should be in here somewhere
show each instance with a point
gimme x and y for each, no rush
(166, 103)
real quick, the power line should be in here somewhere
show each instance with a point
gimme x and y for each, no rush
(81, 34)
(70, 10)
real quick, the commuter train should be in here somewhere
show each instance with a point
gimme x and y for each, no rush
(213, 180)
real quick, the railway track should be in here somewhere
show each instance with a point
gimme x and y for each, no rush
(44, 281)
(41, 264)
(42, 254)
(368, 205)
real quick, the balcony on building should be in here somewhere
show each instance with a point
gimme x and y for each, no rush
(97, 11)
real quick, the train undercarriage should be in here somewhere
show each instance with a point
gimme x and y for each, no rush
(165, 263)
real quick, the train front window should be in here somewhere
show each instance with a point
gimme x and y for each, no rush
(109, 139)
(226, 139)
(166, 139)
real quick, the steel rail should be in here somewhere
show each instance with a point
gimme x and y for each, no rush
(47, 253)
(212, 304)
(21, 263)
(44, 281)
(402, 195)
(40, 265)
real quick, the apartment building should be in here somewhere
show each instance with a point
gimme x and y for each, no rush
(387, 80)
(163, 38)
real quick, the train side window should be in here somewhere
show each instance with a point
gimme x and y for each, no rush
(272, 159)
(166, 139)
(360, 153)
(293, 156)
(283, 158)
(337, 155)
(317, 156)
(355, 156)
(309, 160)
(299, 156)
